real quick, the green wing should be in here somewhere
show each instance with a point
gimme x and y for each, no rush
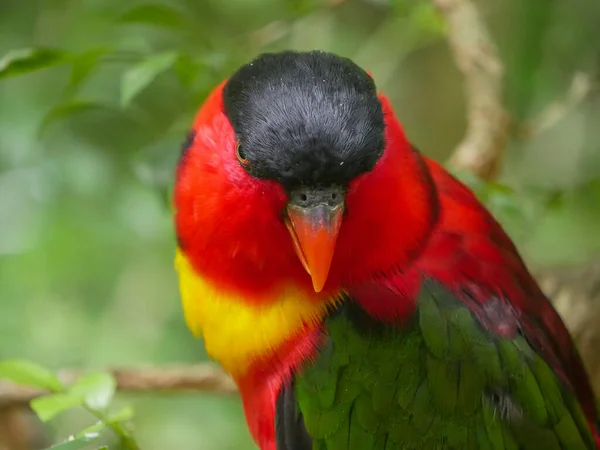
(441, 381)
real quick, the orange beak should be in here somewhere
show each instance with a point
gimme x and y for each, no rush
(314, 230)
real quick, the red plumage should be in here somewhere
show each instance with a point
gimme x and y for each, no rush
(427, 222)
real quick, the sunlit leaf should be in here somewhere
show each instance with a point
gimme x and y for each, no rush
(156, 14)
(66, 110)
(97, 389)
(28, 373)
(92, 431)
(75, 444)
(50, 406)
(123, 415)
(141, 75)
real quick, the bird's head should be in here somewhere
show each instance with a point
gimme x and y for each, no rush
(297, 170)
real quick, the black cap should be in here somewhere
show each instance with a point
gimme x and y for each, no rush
(305, 118)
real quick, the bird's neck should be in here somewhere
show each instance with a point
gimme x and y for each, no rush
(240, 334)
(247, 293)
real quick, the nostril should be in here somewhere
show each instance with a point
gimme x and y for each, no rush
(306, 197)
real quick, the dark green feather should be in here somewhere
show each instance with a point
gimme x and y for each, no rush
(440, 381)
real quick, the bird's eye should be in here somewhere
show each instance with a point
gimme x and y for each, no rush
(241, 155)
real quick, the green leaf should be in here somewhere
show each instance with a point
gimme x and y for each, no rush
(82, 66)
(499, 187)
(427, 18)
(75, 444)
(92, 431)
(97, 389)
(49, 406)
(123, 415)
(156, 14)
(25, 60)
(141, 75)
(67, 109)
(27, 373)
(187, 69)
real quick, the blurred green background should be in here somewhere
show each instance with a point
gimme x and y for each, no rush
(88, 146)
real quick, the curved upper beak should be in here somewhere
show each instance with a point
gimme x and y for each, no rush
(314, 219)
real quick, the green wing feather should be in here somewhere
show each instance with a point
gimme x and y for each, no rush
(441, 381)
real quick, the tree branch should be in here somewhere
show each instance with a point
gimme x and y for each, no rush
(576, 291)
(488, 127)
(581, 85)
(576, 294)
(194, 378)
(19, 429)
(476, 56)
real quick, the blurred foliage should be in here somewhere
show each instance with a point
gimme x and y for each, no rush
(98, 95)
(93, 392)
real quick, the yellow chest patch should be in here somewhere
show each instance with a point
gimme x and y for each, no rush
(236, 332)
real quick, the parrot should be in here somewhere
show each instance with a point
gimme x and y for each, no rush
(358, 294)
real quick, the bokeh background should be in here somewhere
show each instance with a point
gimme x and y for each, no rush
(88, 146)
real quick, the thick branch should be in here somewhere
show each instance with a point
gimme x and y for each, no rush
(476, 56)
(576, 291)
(18, 429)
(201, 377)
(576, 294)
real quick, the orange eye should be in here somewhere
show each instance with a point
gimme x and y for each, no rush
(241, 155)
